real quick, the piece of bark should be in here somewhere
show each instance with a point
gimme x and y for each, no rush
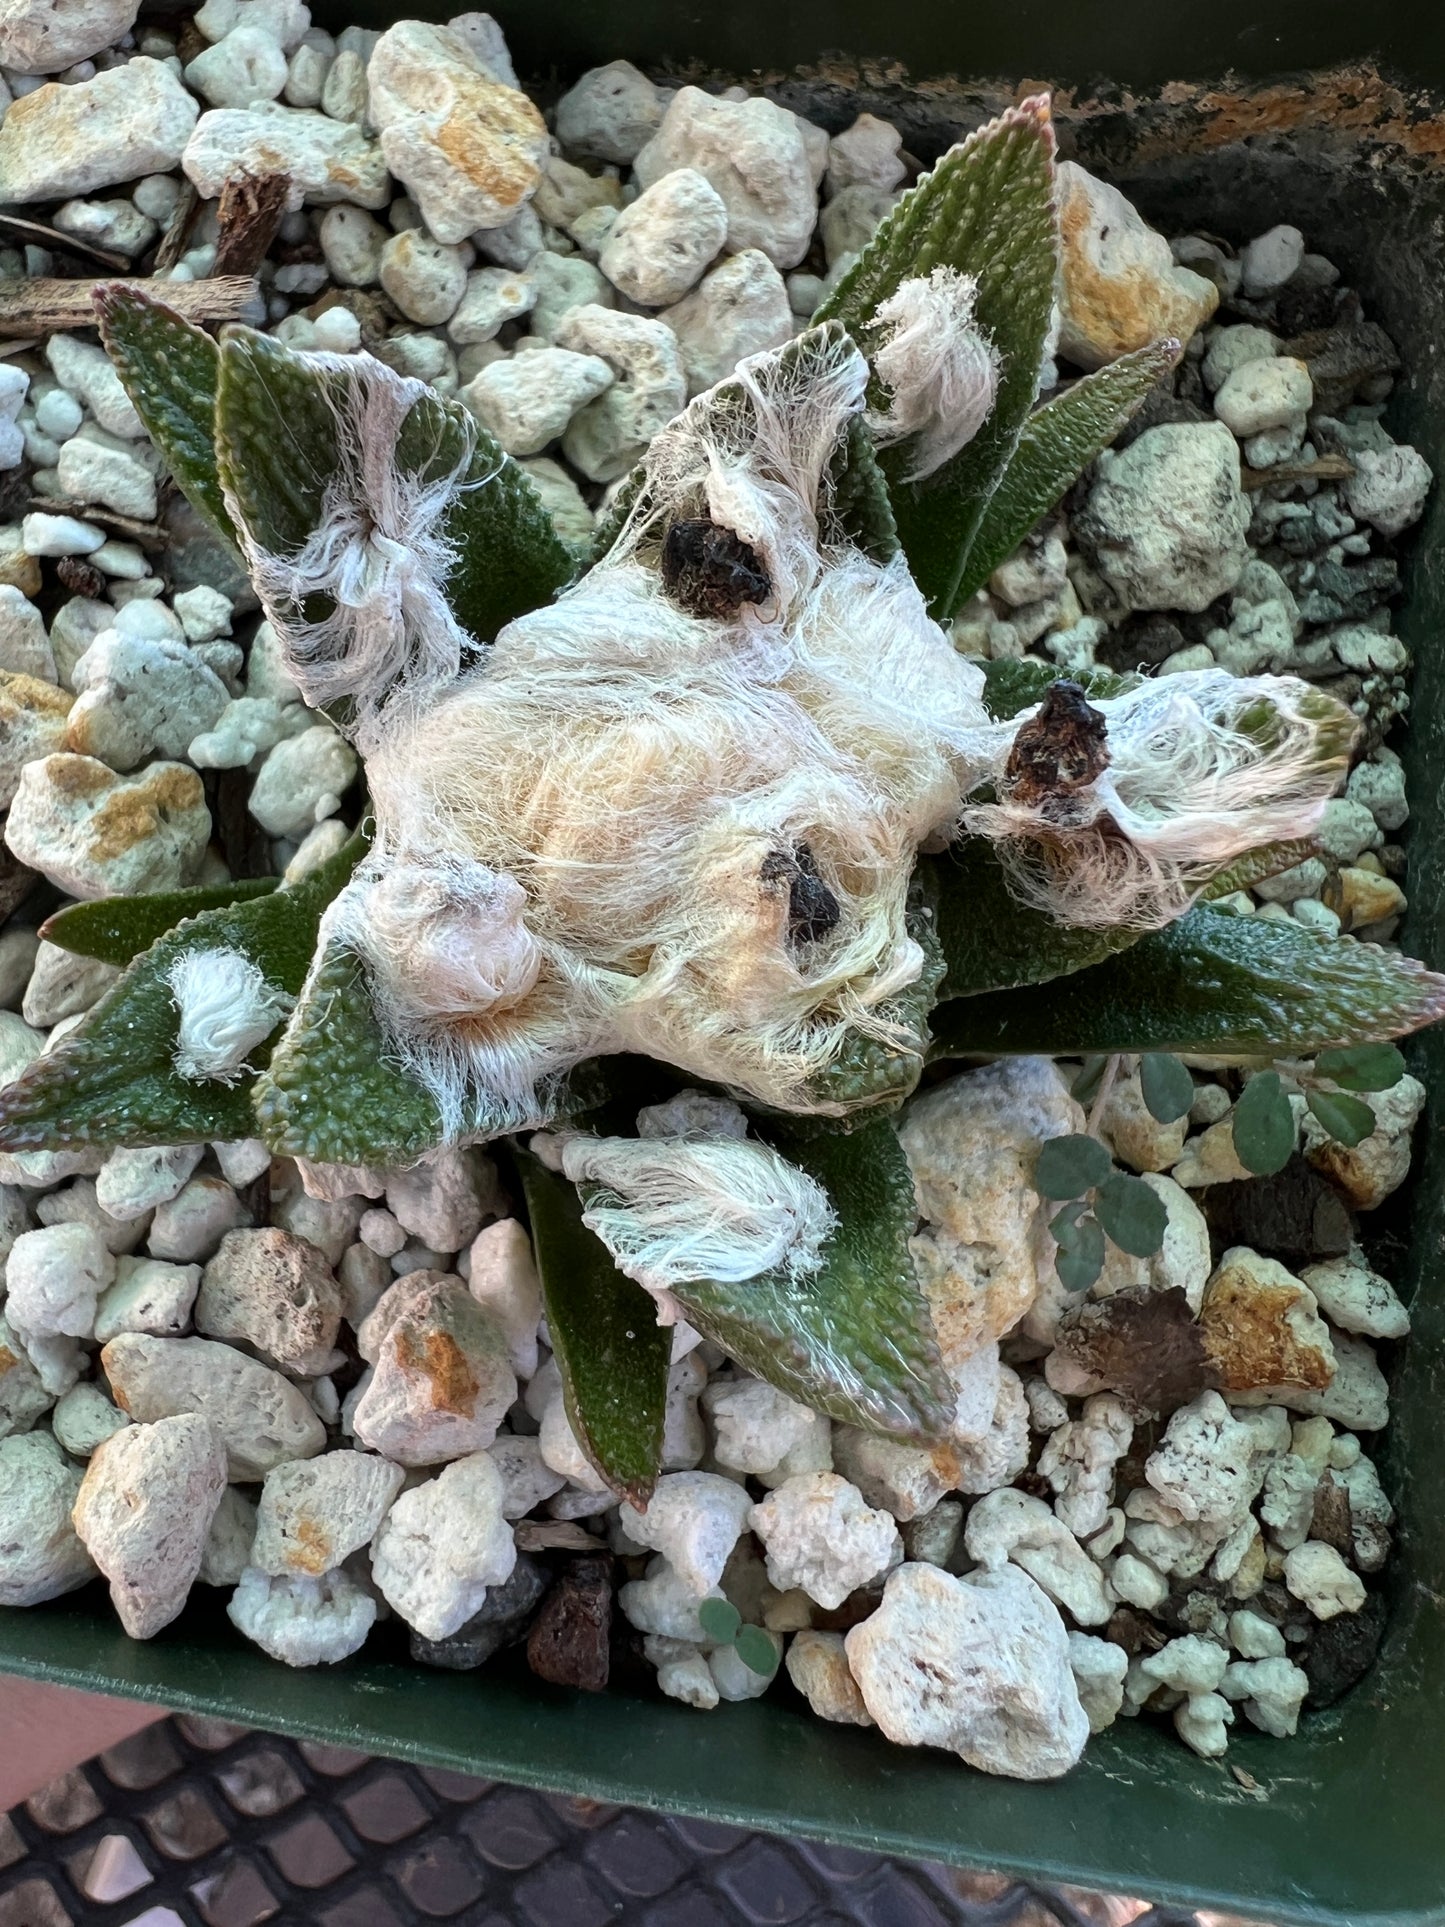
(18, 229)
(569, 1641)
(1333, 1522)
(1325, 468)
(555, 1535)
(247, 217)
(45, 304)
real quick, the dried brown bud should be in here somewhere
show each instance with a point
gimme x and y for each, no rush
(710, 570)
(1060, 750)
(813, 910)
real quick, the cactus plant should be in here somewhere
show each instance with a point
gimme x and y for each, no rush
(645, 827)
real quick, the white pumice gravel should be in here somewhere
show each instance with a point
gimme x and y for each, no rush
(154, 1338)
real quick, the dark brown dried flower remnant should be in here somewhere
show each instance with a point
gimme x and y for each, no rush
(711, 571)
(1057, 752)
(812, 908)
(1144, 1344)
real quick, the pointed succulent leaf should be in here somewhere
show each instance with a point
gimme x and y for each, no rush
(1056, 445)
(1347, 1119)
(612, 1353)
(1131, 1214)
(1263, 1126)
(987, 209)
(1166, 1086)
(1256, 866)
(853, 1340)
(1069, 1166)
(276, 439)
(169, 369)
(1367, 1067)
(874, 1073)
(992, 941)
(861, 507)
(1209, 983)
(113, 1081)
(1016, 683)
(117, 929)
(509, 558)
(331, 1093)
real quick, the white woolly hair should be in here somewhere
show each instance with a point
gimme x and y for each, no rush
(673, 1210)
(226, 1008)
(378, 554)
(1201, 768)
(577, 840)
(940, 368)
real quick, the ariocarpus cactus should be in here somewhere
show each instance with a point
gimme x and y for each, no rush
(672, 806)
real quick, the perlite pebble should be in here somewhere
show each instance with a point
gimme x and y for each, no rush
(148, 1296)
(276, 1294)
(300, 1620)
(529, 401)
(41, 1555)
(658, 247)
(754, 155)
(315, 1513)
(302, 781)
(261, 1419)
(694, 1519)
(442, 1545)
(819, 1534)
(144, 1510)
(53, 1278)
(741, 308)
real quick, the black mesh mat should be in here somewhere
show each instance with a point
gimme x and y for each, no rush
(202, 1823)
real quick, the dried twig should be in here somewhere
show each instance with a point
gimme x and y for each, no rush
(1325, 468)
(36, 232)
(247, 218)
(44, 306)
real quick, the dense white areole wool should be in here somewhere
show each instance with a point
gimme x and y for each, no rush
(226, 1008)
(940, 369)
(584, 842)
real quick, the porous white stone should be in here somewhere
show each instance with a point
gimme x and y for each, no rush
(44, 535)
(140, 696)
(324, 160)
(442, 1383)
(227, 1551)
(300, 1620)
(1080, 1458)
(1119, 285)
(1271, 259)
(754, 154)
(1206, 1466)
(1388, 487)
(527, 1479)
(1271, 393)
(84, 1418)
(503, 1278)
(1356, 1298)
(491, 297)
(96, 834)
(124, 122)
(261, 1419)
(53, 1278)
(352, 241)
(446, 1198)
(1167, 518)
(659, 245)
(984, 1246)
(468, 146)
(664, 1604)
(755, 1426)
(148, 1296)
(869, 152)
(609, 114)
(1202, 1721)
(286, 21)
(819, 1534)
(192, 1224)
(276, 1294)
(44, 36)
(24, 646)
(425, 279)
(144, 1510)
(905, 1480)
(315, 1513)
(302, 781)
(442, 1545)
(529, 400)
(1273, 1691)
(1098, 1667)
(41, 1555)
(1319, 1578)
(694, 1519)
(245, 67)
(34, 717)
(741, 308)
(734, 1678)
(86, 372)
(1009, 1525)
(977, 1665)
(609, 434)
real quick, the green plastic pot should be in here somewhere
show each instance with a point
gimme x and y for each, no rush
(1343, 1823)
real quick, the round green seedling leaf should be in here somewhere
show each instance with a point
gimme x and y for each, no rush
(1080, 1261)
(1067, 1167)
(1167, 1086)
(1362, 1067)
(756, 1651)
(1264, 1127)
(720, 1620)
(1065, 1226)
(1348, 1119)
(1131, 1214)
